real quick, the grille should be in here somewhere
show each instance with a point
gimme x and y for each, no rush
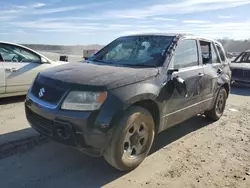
(239, 73)
(39, 123)
(50, 94)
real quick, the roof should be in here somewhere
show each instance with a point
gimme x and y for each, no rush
(175, 35)
(160, 34)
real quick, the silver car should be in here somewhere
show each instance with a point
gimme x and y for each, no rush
(19, 66)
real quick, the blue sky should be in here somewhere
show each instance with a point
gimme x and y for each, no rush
(98, 22)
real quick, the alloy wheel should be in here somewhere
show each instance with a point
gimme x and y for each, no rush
(135, 140)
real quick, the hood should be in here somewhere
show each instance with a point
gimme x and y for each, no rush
(240, 66)
(106, 76)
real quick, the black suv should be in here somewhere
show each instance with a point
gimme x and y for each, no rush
(115, 102)
(240, 68)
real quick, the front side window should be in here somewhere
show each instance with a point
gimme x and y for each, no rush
(11, 53)
(135, 51)
(185, 55)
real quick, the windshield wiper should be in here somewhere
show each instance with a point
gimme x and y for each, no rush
(101, 61)
(141, 65)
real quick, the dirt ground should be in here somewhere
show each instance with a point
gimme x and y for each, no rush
(196, 153)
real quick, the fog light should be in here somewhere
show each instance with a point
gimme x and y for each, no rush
(62, 133)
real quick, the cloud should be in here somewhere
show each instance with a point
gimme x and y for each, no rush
(225, 17)
(19, 31)
(17, 10)
(239, 30)
(164, 19)
(82, 25)
(6, 18)
(66, 26)
(65, 8)
(37, 9)
(19, 6)
(53, 25)
(143, 19)
(178, 7)
(8, 12)
(38, 5)
(55, 10)
(195, 21)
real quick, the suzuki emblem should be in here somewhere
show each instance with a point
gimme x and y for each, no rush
(41, 92)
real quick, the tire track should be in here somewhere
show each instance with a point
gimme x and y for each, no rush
(21, 146)
(42, 180)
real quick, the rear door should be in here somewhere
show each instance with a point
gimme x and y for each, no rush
(186, 60)
(213, 70)
(225, 62)
(20, 66)
(2, 78)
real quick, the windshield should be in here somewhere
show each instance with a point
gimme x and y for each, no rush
(135, 51)
(244, 57)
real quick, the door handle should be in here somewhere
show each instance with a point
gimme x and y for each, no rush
(219, 70)
(10, 69)
(200, 75)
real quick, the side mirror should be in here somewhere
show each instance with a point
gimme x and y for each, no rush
(171, 71)
(180, 85)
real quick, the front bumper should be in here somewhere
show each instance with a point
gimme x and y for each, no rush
(71, 128)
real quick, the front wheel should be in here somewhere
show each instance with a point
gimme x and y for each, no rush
(132, 139)
(219, 106)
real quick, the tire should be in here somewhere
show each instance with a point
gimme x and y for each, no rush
(215, 113)
(121, 154)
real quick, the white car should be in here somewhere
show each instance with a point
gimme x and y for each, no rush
(19, 66)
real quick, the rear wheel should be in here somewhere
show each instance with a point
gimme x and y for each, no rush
(132, 139)
(219, 106)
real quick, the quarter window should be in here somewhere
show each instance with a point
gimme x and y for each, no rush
(221, 52)
(215, 57)
(185, 55)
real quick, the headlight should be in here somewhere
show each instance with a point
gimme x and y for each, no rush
(84, 101)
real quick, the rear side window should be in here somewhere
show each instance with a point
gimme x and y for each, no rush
(209, 53)
(186, 54)
(221, 53)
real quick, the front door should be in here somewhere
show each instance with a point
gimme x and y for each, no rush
(19, 76)
(185, 59)
(20, 66)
